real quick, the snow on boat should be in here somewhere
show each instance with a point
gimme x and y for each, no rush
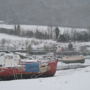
(13, 67)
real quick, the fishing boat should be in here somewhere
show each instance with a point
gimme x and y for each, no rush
(13, 67)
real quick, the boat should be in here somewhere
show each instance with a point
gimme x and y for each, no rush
(70, 57)
(13, 67)
(73, 59)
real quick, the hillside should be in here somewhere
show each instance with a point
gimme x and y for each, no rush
(46, 32)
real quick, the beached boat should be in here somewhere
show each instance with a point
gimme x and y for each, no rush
(73, 59)
(17, 68)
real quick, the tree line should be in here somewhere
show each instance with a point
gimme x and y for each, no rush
(65, 37)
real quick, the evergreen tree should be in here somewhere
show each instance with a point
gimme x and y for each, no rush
(17, 29)
(57, 33)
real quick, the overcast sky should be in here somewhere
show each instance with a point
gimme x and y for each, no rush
(75, 13)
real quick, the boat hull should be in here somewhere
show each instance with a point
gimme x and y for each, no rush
(73, 59)
(10, 73)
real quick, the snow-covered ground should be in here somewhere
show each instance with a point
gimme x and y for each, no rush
(22, 42)
(71, 79)
(74, 79)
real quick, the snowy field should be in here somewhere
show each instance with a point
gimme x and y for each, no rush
(22, 42)
(19, 42)
(74, 79)
(71, 79)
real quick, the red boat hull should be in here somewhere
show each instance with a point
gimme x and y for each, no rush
(19, 73)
